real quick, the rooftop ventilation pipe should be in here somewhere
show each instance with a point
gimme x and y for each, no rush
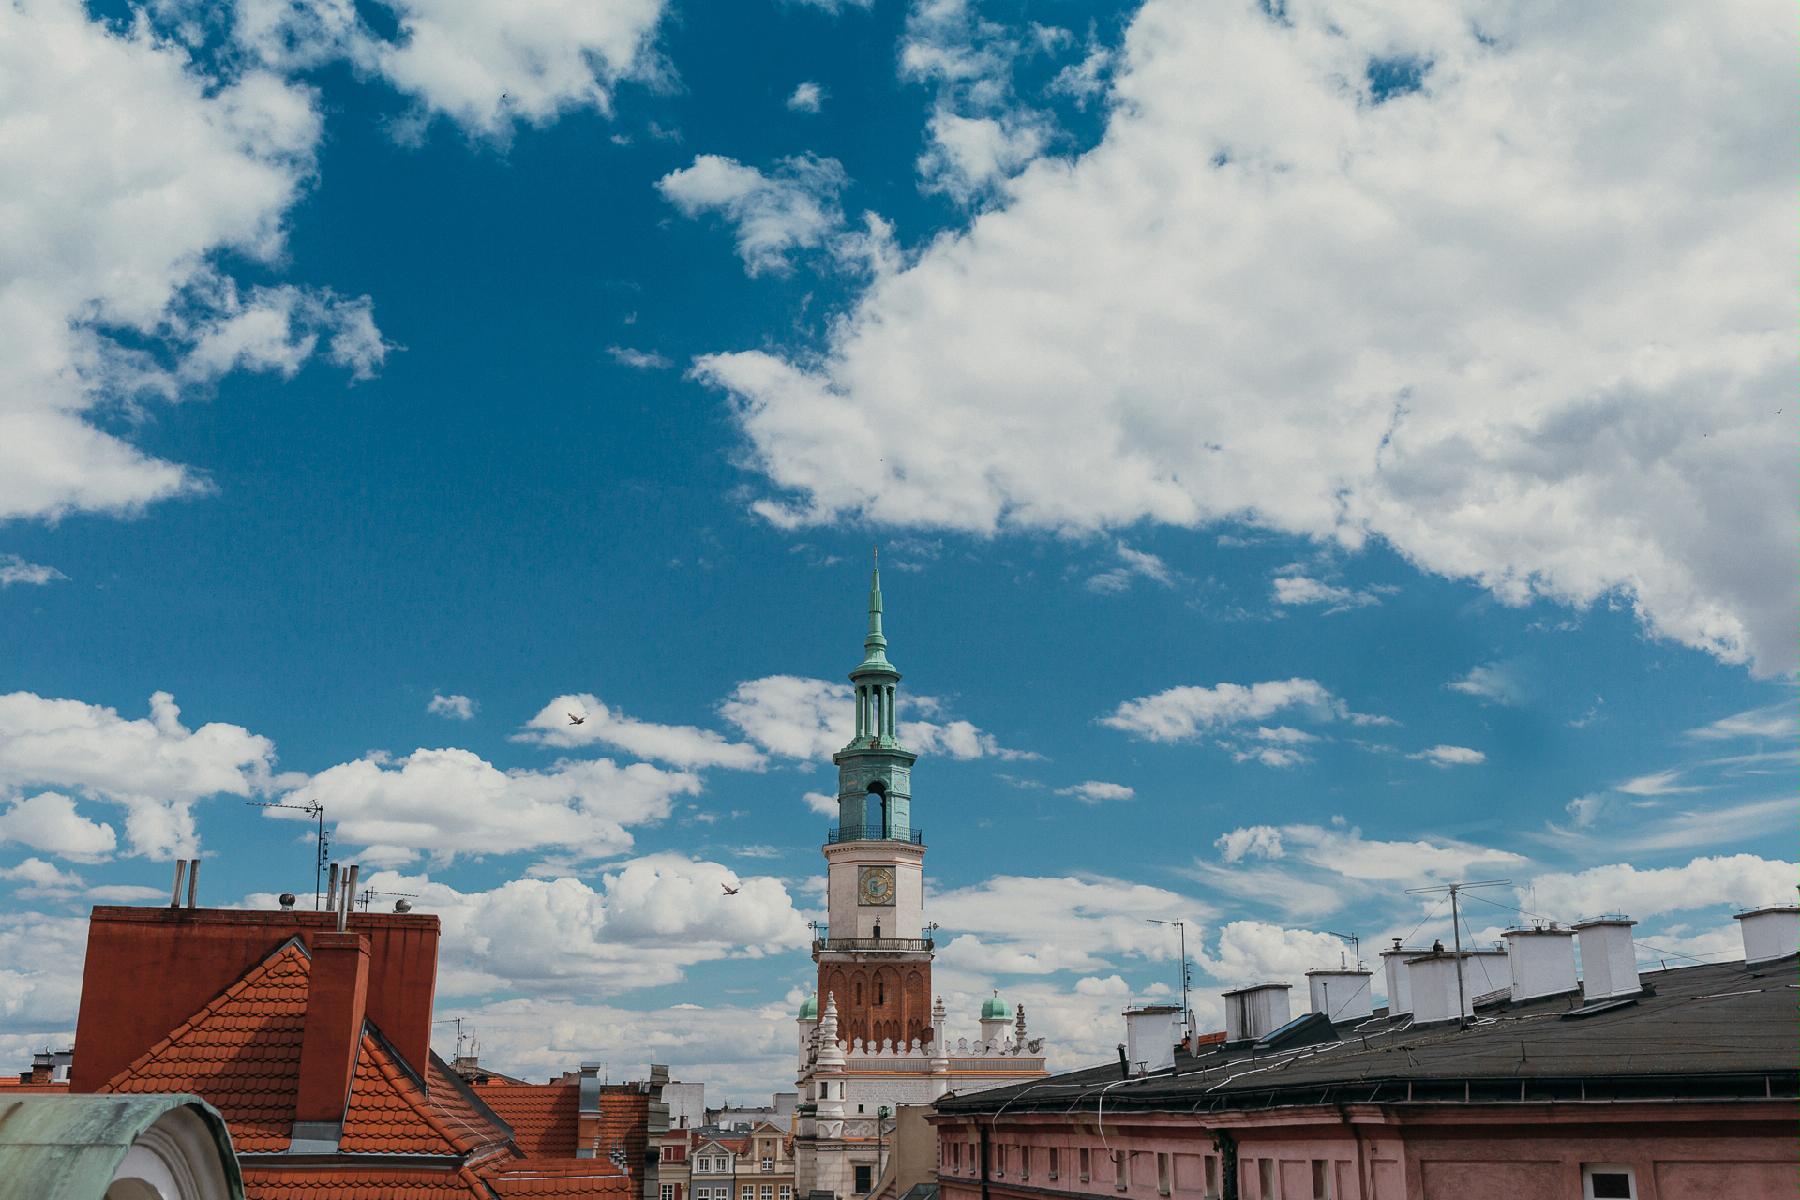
(1770, 933)
(1541, 962)
(1608, 959)
(1151, 1031)
(1399, 988)
(1341, 993)
(1251, 1012)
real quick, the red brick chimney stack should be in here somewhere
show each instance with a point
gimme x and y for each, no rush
(338, 997)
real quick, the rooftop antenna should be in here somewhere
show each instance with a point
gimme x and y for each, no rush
(1187, 1014)
(367, 894)
(1355, 945)
(316, 811)
(1462, 987)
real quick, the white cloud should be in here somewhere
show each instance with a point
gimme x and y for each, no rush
(1738, 879)
(49, 822)
(1133, 565)
(794, 208)
(806, 97)
(1504, 398)
(41, 958)
(1450, 756)
(813, 719)
(127, 173)
(1657, 783)
(819, 802)
(488, 67)
(1085, 80)
(1182, 713)
(1496, 683)
(1585, 810)
(451, 801)
(1038, 925)
(1293, 590)
(1095, 791)
(35, 877)
(452, 707)
(155, 767)
(14, 569)
(967, 157)
(1261, 841)
(639, 360)
(1775, 721)
(680, 745)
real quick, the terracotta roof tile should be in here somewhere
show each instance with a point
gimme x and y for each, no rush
(559, 1178)
(545, 1117)
(361, 1183)
(388, 1112)
(241, 1053)
(14, 1084)
(463, 1114)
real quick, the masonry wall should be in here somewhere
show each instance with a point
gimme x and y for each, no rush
(1730, 1151)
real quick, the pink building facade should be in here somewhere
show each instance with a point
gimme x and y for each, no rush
(1676, 1085)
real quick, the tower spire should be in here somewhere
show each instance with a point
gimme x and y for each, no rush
(875, 645)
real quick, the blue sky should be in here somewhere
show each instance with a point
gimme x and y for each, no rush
(1306, 466)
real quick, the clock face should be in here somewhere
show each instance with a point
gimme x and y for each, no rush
(875, 885)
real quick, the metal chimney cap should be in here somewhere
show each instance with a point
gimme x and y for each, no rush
(403, 905)
(286, 900)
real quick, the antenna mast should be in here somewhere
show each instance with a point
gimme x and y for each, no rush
(1462, 987)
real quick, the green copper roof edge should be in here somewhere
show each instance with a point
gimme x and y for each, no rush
(61, 1147)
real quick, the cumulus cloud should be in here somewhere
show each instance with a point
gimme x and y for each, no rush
(155, 767)
(794, 207)
(1133, 565)
(34, 877)
(1291, 590)
(1496, 683)
(639, 360)
(49, 822)
(680, 745)
(452, 707)
(41, 957)
(1183, 713)
(1450, 756)
(796, 717)
(452, 802)
(1038, 925)
(14, 569)
(806, 97)
(1585, 810)
(1504, 399)
(819, 802)
(488, 67)
(129, 172)
(1095, 791)
(1260, 841)
(1737, 879)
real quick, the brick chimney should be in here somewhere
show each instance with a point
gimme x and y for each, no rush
(336, 1002)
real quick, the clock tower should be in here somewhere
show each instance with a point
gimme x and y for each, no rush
(874, 957)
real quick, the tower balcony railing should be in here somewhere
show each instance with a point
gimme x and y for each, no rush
(873, 833)
(867, 944)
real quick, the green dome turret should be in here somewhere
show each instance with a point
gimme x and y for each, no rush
(809, 1009)
(994, 1009)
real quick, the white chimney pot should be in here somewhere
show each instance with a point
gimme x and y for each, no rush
(1770, 933)
(1251, 1012)
(1341, 995)
(1608, 959)
(1151, 1032)
(1541, 962)
(1399, 988)
(1435, 990)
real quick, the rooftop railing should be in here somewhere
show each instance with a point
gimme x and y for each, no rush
(876, 944)
(873, 833)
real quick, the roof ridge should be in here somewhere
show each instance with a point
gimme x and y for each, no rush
(387, 1061)
(260, 970)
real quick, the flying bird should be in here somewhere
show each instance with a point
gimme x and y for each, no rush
(575, 720)
(729, 891)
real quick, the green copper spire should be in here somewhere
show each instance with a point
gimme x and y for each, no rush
(875, 770)
(875, 645)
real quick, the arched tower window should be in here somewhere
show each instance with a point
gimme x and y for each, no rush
(879, 815)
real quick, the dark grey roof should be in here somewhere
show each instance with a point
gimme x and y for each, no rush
(1717, 1030)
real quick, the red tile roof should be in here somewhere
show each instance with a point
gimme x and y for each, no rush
(560, 1178)
(545, 1118)
(361, 1183)
(15, 1084)
(388, 1113)
(241, 1052)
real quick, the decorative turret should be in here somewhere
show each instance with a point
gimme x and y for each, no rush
(808, 1022)
(874, 770)
(1019, 1031)
(994, 1016)
(828, 1075)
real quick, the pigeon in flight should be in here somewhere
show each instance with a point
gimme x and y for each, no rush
(729, 891)
(575, 720)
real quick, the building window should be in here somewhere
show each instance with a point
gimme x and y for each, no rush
(1055, 1155)
(768, 1166)
(999, 1160)
(865, 1180)
(956, 1156)
(1607, 1183)
(747, 1193)
(787, 1191)
(1082, 1157)
(1321, 1171)
(1024, 1162)
(1162, 1174)
(1212, 1178)
(1121, 1165)
(668, 1191)
(766, 1192)
(1265, 1178)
